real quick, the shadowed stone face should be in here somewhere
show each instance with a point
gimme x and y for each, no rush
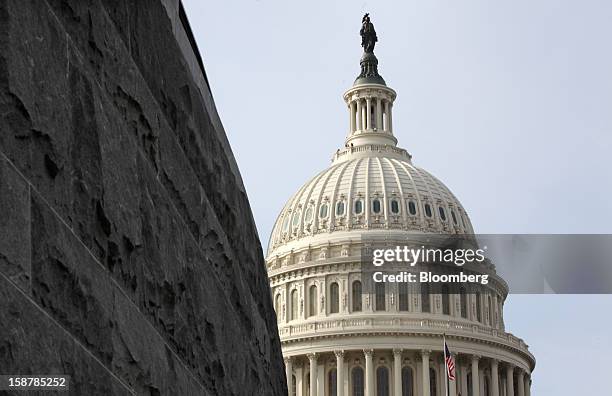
(128, 254)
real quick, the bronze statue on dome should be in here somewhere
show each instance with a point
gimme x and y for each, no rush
(368, 34)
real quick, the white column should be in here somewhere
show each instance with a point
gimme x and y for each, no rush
(425, 372)
(527, 385)
(520, 384)
(379, 118)
(312, 358)
(389, 117)
(475, 376)
(397, 372)
(369, 374)
(299, 380)
(339, 373)
(368, 113)
(364, 123)
(321, 379)
(289, 373)
(351, 117)
(442, 375)
(509, 380)
(359, 115)
(494, 377)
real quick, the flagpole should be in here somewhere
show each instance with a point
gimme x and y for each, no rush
(445, 364)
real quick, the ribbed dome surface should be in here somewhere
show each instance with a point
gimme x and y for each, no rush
(370, 192)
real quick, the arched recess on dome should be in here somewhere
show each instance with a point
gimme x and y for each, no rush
(486, 386)
(433, 382)
(312, 300)
(356, 296)
(332, 382)
(382, 381)
(445, 300)
(357, 382)
(294, 304)
(469, 384)
(478, 297)
(334, 298)
(306, 385)
(407, 381)
(425, 298)
(380, 298)
(463, 302)
(402, 293)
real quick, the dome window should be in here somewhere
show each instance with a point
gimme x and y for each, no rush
(412, 208)
(296, 218)
(395, 208)
(358, 206)
(323, 211)
(454, 217)
(308, 215)
(376, 206)
(428, 212)
(340, 208)
(442, 213)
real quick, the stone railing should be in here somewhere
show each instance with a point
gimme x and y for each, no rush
(391, 324)
(379, 148)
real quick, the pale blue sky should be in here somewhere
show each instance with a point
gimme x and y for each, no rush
(508, 103)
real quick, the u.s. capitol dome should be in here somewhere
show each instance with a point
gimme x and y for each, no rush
(339, 338)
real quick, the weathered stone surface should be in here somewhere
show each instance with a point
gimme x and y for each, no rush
(127, 221)
(14, 225)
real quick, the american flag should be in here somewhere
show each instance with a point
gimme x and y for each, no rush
(450, 364)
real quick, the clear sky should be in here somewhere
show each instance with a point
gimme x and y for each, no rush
(508, 103)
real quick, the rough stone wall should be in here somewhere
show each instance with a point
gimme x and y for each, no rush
(129, 258)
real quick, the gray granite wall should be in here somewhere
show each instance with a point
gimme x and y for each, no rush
(129, 258)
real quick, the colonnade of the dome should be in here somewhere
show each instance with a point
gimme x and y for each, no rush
(370, 109)
(401, 372)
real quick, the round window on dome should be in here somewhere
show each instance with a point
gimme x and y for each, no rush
(376, 206)
(308, 215)
(323, 211)
(296, 218)
(412, 208)
(358, 206)
(442, 213)
(340, 208)
(395, 207)
(428, 212)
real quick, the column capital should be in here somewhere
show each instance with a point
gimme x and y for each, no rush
(397, 351)
(339, 354)
(475, 357)
(312, 356)
(368, 352)
(287, 359)
(425, 352)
